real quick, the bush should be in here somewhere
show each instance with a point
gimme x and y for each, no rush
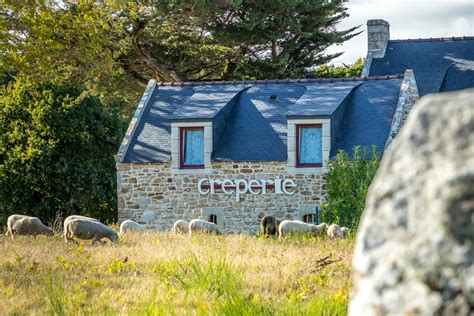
(347, 183)
(344, 71)
(56, 152)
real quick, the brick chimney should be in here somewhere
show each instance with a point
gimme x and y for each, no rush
(378, 35)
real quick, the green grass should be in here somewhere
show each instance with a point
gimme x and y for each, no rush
(162, 274)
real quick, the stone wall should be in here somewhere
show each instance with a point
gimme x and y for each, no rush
(150, 194)
(406, 101)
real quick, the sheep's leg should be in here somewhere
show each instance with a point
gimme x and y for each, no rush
(71, 239)
(68, 238)
(96, 238)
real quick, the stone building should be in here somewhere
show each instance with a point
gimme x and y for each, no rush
(229, 152)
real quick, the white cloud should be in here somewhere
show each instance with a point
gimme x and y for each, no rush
(408, 19)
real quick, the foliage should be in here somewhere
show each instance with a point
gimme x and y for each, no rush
(344, 71)
(347, 182)
(56, 152)
(163, 274)
(112, 49)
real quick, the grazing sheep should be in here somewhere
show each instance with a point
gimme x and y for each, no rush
(180, 227)
(297, 227)
(27, 225)
(12, 219)
(74, 217)
(323, 227)
(129, 226)
(335, 231)
(269, 225)
(199, 225)
(88, 229)
(344, 232)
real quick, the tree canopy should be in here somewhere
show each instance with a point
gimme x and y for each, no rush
(112, 49)
(56, 152)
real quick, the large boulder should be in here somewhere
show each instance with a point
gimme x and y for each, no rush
(415, 247)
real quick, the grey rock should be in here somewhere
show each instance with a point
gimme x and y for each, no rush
(415, 247)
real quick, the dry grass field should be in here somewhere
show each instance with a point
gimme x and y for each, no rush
(162, 274)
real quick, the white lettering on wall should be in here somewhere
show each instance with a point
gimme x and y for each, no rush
(200, 187)
(241, 186)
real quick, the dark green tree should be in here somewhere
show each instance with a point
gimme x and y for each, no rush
(56, 152)
(347, 181)
(279, 38)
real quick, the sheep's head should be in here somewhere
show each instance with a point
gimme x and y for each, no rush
(324, 227)
(114, 237)
(344, 232)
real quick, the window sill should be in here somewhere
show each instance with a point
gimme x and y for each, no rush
(192, 167)
(306, 170)
(191, 171)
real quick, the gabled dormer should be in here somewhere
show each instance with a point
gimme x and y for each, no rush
(197, 127)
(313, 125)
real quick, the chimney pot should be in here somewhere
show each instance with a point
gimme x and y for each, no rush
(378, 35)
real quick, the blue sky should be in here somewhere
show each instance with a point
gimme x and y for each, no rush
(408, 19)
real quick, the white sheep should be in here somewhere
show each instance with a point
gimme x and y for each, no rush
(130, 226)
(199, 225)
(344, 232)
(11, 221)
(323, 227)
(74, 217)
(335, 231)
(26, 225)
(298, 228)
(88, 229)
(180, 227)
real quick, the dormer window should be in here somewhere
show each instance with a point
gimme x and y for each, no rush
(309, 145)
(192, 148)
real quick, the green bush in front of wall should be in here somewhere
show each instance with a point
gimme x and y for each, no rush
(56, 152)
(347, 181)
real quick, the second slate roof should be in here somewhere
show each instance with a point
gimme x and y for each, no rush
(439, 64)
(256, 129)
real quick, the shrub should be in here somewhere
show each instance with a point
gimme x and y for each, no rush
(348, 180)
(56, 152)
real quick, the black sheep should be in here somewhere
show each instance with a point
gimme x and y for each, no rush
(269, 225)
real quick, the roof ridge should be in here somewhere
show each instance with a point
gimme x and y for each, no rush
(433, 39)
(276, 81)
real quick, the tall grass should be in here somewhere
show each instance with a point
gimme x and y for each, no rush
(161, 274)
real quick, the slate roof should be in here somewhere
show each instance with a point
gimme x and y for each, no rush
(440, 64)
(256, 127)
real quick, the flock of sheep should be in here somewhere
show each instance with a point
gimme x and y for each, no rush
(86, 228)
(272, 226)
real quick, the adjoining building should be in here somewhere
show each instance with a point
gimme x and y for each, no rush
(231, 151)
(440, 64)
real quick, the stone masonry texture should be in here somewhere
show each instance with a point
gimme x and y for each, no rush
(151, 195)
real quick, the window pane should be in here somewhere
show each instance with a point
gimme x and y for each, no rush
(194, 147)
(311, 148)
